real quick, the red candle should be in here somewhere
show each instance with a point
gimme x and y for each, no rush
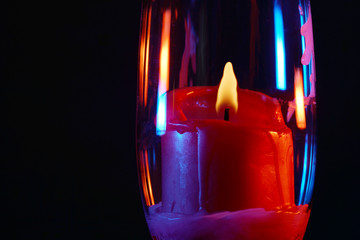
(212, 165)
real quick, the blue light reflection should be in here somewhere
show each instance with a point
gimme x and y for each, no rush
(161, 115)
(308, 173)
(305, 167)
(280, 56)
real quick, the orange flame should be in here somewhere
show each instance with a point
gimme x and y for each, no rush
(227, 92)
(299, 100)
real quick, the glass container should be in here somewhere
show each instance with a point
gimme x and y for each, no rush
(226, 118)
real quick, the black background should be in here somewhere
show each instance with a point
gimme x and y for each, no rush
(67, 134)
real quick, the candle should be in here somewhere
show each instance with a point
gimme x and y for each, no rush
(212, 165)
(227, 167)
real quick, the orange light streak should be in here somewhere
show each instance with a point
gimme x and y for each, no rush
(151, 196)
(144, 57)
(164, 53)
(299, 100)
(141, 65)
(147, 58)
(145, 179)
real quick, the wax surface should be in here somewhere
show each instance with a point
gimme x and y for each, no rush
(215, 165)
(249, 224)
(198, 103)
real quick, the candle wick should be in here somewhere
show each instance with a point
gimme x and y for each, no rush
(226, 114)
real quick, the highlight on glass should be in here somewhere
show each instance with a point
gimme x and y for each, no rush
(226, 118)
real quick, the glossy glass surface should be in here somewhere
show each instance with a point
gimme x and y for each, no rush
(226, 118)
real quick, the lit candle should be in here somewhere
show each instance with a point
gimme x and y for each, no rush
(227, 167)
(210, 164)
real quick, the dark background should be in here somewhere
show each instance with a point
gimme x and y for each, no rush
(67, 133)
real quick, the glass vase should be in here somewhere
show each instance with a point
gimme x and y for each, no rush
(226, 118)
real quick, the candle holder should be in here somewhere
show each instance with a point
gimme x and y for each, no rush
(226, 118)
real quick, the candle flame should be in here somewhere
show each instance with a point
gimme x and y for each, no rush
(299, 100)
(227, 92)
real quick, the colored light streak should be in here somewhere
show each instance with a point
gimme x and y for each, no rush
(163, 74)
(161, 115)
(144, 57)
(310, 180)
(308, 174)
(279, 48)
(305, 170)
(299, 100)
(145, 178)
